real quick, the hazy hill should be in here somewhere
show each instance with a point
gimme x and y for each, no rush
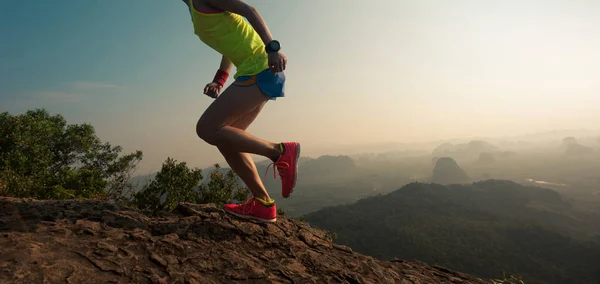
(482, 228)
(471, 149)
(334, 180)
(93, 241)
(486, 159)
(447, 171)
(571, 147)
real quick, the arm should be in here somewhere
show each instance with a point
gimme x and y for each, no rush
(226, 64)
(241, 8)
(223, 71)
(277, 61)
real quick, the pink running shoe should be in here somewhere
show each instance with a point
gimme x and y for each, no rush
(253, 209)
(287, 166)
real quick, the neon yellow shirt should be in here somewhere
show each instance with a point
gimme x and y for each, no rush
(233, 37)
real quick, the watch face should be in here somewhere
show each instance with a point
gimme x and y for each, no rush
(274, 45)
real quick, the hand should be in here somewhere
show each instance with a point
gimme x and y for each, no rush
(212, 90)
(277, 62)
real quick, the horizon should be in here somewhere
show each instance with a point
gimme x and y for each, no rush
(409, 72)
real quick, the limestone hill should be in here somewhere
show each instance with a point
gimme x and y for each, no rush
(447, 171)
(94, 241)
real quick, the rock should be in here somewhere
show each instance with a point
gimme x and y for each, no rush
(93, 241)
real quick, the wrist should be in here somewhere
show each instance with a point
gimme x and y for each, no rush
(272, 46)
(221, 77)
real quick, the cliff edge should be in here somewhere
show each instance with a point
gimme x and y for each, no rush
(94, 241)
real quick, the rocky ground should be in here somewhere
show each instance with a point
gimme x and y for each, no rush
(94, 241)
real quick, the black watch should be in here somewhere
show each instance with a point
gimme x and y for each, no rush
(272, 46)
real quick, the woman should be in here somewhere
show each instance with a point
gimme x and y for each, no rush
(259, 77)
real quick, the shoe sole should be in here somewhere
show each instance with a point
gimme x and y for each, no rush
(295, 171)
(246, 217)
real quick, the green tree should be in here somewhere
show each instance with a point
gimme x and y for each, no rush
(221, 188)
(43, 157)
(175, 183)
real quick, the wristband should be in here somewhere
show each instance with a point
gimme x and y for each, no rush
(221, 77)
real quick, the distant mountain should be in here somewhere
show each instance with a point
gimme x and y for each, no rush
(504, 154)
(543, 137)
(486, 159)
(578, 150)
(482, 228)
(444, 149)
(447, 171)
(491, 158)
(571, 147)
(468, 150)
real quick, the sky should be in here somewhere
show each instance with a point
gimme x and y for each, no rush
(358, 72)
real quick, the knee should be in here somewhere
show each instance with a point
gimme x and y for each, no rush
(207, 132)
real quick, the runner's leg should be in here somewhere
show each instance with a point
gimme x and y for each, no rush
(214, 126)
(242, 164)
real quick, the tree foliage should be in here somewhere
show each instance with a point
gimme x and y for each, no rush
(175, 183)
(43, 157)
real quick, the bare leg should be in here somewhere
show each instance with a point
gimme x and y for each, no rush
(243, 164)
(224, 124)
(235, 102)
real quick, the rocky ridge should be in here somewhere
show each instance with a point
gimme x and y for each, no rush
(94, 241)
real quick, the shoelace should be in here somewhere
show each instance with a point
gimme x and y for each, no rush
(280, 166)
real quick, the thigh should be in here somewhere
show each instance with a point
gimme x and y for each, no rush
(244, 122)
(236, 105)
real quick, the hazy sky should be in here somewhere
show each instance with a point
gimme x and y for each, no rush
(394, 71)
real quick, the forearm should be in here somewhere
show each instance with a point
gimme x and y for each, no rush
(223, 71)
(226, 64)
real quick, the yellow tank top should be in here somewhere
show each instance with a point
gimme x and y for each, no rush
(232, 36)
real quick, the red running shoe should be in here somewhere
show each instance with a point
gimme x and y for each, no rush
(287, 166)
(253, 209)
